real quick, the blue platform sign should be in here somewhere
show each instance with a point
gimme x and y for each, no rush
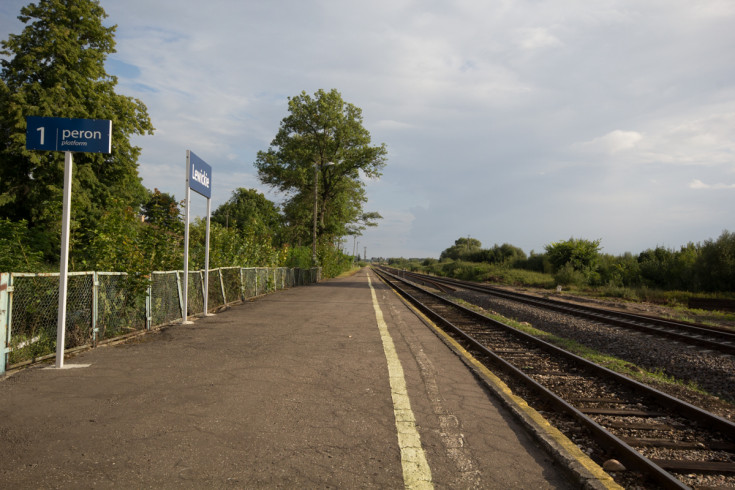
(64, 134)
(200, 176)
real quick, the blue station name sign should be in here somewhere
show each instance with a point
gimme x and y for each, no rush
(200, 175)
(64, 134)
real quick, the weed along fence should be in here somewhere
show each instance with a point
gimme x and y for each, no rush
(109, 305)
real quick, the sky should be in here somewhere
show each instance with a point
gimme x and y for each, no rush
(524, 122)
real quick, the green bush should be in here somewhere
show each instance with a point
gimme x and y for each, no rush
(582, 255)
(535, 262)
(16, 252)
(332, 261)
(524, 278)
(715, 265)
(298, 257)
(619, 271)
(567, 275)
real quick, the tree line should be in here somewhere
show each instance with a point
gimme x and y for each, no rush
(707, 266)
(56, 68)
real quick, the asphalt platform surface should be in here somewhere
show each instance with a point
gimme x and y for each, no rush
(290, 390)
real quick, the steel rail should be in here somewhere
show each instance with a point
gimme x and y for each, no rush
(627, 454)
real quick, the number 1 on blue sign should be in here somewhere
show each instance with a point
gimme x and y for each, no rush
(43, 132)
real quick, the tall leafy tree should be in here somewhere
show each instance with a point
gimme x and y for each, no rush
(716, 264)
(325, 133)
(56, 68)
(162, 210)
(581, 254)
(462, 247)
(248, 209)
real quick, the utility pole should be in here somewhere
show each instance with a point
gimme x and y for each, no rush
(364, 254)
(316, 197)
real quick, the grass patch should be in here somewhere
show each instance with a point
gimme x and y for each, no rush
(482, 271)
(350, 272)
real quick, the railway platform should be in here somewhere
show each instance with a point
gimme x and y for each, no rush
(334, 385)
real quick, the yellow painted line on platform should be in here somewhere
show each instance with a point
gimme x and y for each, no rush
(593, 471)
(416, 471)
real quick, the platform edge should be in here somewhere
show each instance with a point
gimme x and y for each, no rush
(578, 464)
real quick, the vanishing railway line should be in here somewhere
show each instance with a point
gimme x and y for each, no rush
(702, 336)
(699, 360)
(658, 438)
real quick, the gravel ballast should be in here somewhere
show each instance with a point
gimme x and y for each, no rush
(714, 372)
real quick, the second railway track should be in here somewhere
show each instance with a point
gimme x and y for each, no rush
(708, 337)
(668, 442)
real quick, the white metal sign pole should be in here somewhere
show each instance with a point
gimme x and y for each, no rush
(206, 259)
(184, 316)
(59, 134)
(64, 266)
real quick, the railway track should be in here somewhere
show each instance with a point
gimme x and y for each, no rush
(702, 336)
(660, 440)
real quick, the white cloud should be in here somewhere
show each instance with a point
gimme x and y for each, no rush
(698, 184)
(537, 38)
(611, 143)
(703, 140)
(388, 124)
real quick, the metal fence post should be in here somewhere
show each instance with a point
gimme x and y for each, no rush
(205, 292)
(5, 307)
(181, 296)
(222, 286)
(95, 306)
(149, 303)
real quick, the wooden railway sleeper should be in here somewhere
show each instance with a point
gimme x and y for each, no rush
(681, 466)
(653, 442)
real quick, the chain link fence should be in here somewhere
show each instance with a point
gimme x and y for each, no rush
(108, 305)
(119, 306)
(165, 297)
